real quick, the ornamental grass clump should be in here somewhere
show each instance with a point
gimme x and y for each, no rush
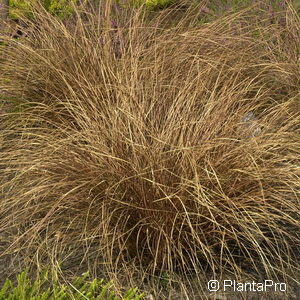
(133, 147)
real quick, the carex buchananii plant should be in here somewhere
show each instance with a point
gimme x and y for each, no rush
(128, 144)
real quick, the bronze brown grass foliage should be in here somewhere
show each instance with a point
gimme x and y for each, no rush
(171, 148)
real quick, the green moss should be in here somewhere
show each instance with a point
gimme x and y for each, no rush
(64, 8)
(60, 8)
(152, 4)
(19, 8)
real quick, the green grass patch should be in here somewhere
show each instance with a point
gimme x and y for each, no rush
(44, 288)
